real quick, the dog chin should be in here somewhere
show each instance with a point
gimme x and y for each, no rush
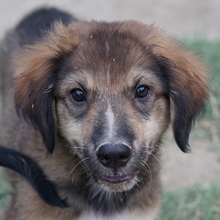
(118, 183)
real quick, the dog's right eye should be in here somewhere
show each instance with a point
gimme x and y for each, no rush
(78, 95)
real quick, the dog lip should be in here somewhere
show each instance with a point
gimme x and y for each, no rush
(117, 178)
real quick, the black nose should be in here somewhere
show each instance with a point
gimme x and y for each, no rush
(114, 156)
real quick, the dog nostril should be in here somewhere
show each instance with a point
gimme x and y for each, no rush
(123, 157)
(114, 156)
(104, 158)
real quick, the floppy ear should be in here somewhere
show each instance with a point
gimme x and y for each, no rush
(187, 83)
(36, 73)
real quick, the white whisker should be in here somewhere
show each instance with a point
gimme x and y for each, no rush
(76, 166)
(159, 162)
(79, 148)
(148, 171)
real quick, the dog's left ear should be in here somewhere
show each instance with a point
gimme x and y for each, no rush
(187, 82)
(36, 73)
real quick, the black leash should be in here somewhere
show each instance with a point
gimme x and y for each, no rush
(29, 169)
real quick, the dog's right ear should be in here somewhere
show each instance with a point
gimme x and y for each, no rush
(36, 73)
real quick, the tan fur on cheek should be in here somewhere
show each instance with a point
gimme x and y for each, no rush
(68, 126)
(76, 131)
(150, 130)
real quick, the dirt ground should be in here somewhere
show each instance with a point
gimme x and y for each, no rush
(182, 18)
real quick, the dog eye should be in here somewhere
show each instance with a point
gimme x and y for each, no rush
(78, 95)
(142, 91)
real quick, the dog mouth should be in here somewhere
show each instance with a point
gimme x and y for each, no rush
(115, 179)
(118, 182)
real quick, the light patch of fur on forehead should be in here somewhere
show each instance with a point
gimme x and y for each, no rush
(111, 121)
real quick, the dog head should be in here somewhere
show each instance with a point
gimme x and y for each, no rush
(110, 90)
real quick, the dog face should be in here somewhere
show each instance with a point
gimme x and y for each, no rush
(110, 90)
(112, 115)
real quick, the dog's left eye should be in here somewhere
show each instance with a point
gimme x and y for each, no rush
(78, 95)
(142, 91)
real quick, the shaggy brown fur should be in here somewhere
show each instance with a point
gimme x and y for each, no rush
(94, 100)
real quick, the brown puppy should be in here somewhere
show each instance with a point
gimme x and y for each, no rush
(96, 99)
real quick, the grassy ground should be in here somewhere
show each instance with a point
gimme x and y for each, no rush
(197, 202)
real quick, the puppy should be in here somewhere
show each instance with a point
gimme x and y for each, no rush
(93, 101)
